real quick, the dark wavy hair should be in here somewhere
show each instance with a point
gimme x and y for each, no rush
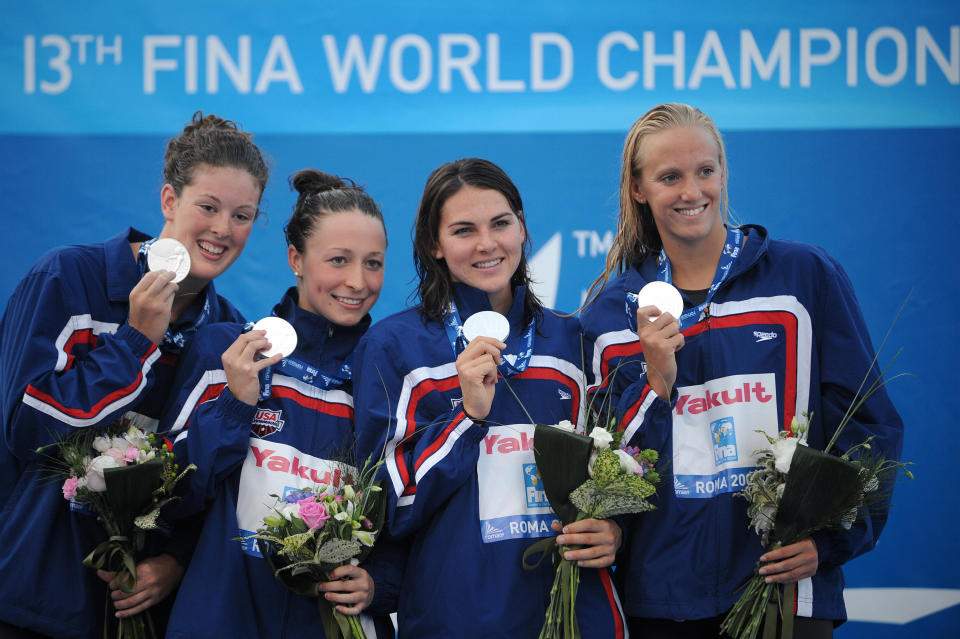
(209, 139)
(435, 288)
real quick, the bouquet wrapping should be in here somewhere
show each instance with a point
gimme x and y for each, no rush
(797, 491)
(311, 532)
(125, 477)
(584, 477)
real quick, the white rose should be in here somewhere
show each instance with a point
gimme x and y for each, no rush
(628, 463)
(289, 511)
(565, 425)
(101, 444)
(119, 442)
(95, 481)
(137, 438)
(601, 437)
(783, 450)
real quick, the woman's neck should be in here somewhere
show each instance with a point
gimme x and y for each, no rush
(501, 301)
(693, 267)
(186, 294)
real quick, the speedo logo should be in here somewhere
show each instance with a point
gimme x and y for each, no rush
(764, 337)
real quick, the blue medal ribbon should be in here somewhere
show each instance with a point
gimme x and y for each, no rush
(454, 329)
(731, 251)
(304, 372)
(176, 341)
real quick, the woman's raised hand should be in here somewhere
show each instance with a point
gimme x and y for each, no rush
(660, 339)
(242, 367)
(477, 369)
(151, 302)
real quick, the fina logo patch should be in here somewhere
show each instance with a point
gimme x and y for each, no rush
(266, 422)
(564, 394)
(724, 441)
(764, 337)
(533, 485)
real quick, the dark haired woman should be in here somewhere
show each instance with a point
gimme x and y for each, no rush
(336, 245)
(770, 330)
(462, 480)
(89, 337)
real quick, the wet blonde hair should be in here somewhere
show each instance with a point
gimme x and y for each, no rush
(637, 235)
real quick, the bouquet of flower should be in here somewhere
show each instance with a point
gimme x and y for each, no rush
(125, 476)
(585, 477)
(797, 491)
(310, 532)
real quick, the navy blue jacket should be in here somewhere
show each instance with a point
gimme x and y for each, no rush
(68, 360)
(243, 454)
(783, 336)
(464, 496)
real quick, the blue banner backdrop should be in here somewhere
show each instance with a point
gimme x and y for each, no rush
(841, 124)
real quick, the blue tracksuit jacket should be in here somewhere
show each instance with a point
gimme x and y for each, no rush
(243, 454)
(464, 497)
(69, 360)
(783, 336)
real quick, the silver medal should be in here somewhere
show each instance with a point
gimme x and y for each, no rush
(167, 254)
(486, 324)
(662, 295)
(280, 334)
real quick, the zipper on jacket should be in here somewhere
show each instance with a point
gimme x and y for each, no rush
(706, 315)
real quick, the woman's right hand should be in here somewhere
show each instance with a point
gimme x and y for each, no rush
(151, 302)
(477, 369)
(242, 367)
(660, 340)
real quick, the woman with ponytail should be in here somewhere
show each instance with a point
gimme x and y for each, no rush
(230, 424)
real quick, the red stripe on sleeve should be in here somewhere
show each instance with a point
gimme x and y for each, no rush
(96, 408)
(416, 394)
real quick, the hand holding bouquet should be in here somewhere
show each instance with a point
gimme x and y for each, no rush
(585, 478)
(798, 491)
(125, 476)
(311, 532)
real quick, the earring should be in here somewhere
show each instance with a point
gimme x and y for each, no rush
(296, 274)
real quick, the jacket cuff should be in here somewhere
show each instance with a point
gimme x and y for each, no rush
(139, 343)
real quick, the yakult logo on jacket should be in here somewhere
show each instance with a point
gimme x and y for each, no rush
(268, 459)
(502, 444)
(266, 422)
(746, 392)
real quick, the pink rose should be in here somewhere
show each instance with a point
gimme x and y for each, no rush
(313, 513)
(70, 488)
(131, 454)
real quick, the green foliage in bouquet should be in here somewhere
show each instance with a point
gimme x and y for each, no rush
(126, 476)
(797, 491)
(311, 532)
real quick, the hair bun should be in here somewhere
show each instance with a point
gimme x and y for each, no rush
(311, 181)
